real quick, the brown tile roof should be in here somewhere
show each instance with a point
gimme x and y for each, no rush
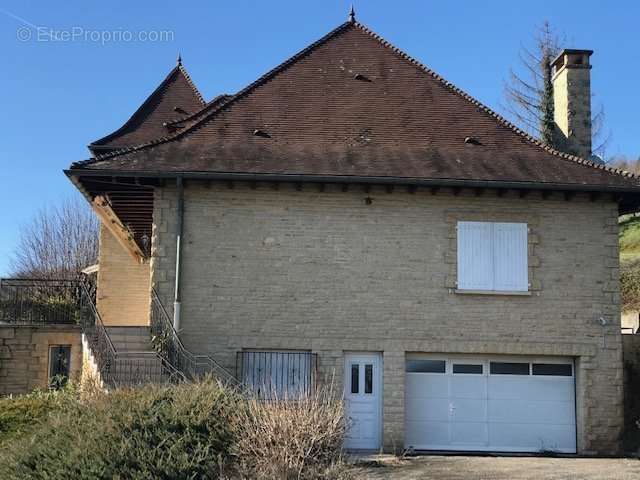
(351, 104)
(177, 96)
(184, 120)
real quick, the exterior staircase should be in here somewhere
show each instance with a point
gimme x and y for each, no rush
(118, 356)
(131, 339)
(137, 361)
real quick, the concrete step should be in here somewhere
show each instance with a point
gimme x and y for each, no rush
(129, 331)
(133, 346)
(130, 339)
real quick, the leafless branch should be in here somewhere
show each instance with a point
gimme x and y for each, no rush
(59, 241)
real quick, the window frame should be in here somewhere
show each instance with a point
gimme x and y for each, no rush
(546, 364)
(510, 362)
(53, 348)
(464, 288)
(469, 363)
(434, 359)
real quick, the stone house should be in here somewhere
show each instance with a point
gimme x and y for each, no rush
(351, 216)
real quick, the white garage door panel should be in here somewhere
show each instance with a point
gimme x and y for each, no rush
(427, 409)
(508, 411)
(427, 385)
(532, 387)
(469, 434)
(468, 386)
(509, 437)
(468, 410)
(485, 412)
(423, 434)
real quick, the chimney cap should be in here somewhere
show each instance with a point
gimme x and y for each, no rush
(572, 57)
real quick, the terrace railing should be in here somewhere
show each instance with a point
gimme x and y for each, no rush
(41, 302)
(25, 301)
(269, 374)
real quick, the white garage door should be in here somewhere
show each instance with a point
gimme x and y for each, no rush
(501, 404)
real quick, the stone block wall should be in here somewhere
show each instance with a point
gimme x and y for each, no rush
(332, 272)
(123, 285)
(24, 355)
(572, 106)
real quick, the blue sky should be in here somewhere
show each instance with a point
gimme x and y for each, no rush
(57, 96)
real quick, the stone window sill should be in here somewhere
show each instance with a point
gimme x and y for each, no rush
(493, 292)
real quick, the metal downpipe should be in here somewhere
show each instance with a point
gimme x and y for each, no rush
(177, 300)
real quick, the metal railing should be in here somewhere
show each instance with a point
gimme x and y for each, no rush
(27, 301)
(269, 374)
(41, 302)
(276, 375)
(121, 368)
(167, 343)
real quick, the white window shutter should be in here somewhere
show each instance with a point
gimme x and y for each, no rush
(475, 265)
(510, 256)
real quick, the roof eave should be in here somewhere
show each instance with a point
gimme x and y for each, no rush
(386, 180)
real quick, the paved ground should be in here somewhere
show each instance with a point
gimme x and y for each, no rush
(498, 468)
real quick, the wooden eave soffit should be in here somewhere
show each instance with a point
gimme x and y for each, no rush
(111, 221)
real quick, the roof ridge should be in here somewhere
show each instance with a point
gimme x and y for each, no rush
(502, 120)
(178, 68)
(343, 27)
(197, 113)
(191, 83)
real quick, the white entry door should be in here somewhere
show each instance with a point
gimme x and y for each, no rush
(363, 399)
(490, 403)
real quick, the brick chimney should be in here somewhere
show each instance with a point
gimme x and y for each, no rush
(572, 101)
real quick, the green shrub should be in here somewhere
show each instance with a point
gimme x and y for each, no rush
(192, 431)
(22, 414)
(148, 433)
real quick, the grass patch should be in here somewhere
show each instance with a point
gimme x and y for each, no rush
(630, 285)
(629, 238)
(629, 241)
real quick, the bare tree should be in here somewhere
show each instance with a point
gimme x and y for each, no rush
(59, 241)
(529, 92)
(625, 163)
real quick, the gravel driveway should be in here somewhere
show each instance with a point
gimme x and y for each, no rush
(499, 468)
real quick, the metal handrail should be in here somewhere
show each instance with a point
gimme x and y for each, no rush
(170, 345)
(97, 319)
(126, 368)
(29, 301)
(33, 301)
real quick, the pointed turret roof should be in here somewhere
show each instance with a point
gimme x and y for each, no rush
(175, 97)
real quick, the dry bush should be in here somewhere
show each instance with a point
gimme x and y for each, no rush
(291, 439)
